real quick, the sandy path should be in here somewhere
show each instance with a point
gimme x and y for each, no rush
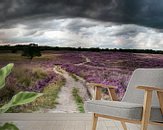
(65, 98)
(86, 61)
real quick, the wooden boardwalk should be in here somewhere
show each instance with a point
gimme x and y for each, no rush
(57, 121)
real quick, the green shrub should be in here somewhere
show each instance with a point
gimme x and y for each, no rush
(19, 99)
(39, 73)
(78, 99)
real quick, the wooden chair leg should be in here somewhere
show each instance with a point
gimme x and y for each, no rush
(160, 98)
(124, 125)
(144, 126)
(94, 122)
(146, 110)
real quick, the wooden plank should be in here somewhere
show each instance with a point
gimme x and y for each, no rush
(66, 118)
(79, 125)
(73, 121)
(44, 116)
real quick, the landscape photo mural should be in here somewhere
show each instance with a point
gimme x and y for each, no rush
(60, 47)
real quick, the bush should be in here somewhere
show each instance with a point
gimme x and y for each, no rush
(19, 99)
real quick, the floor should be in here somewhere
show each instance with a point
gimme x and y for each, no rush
(57, 121)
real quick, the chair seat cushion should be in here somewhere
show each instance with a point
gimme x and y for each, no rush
(131, 111)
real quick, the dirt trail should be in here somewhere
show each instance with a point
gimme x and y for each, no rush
(86, 61)
(65, 98)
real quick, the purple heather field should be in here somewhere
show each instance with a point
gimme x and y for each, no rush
(110, 68)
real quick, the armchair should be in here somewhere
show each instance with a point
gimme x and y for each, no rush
(138, 107)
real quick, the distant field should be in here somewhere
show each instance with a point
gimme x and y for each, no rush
(12, 57)
(113, 68)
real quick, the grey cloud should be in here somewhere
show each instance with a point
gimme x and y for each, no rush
(142, 12)
(86, 33)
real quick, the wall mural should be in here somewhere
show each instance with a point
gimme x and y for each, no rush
(59, 47)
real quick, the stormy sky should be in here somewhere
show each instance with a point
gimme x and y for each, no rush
(83, 23)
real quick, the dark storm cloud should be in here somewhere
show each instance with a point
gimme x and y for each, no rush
(82, 32)
(143, 12)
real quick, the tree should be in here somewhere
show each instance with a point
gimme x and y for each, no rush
(31, 51)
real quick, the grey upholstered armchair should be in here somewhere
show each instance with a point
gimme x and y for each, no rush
(142, 103)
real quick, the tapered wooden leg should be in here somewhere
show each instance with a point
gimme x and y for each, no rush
(146, 110)
(160, 98)
(124, 125)
(144, 126)
(94, 122)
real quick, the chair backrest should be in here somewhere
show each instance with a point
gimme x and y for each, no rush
(143, 77)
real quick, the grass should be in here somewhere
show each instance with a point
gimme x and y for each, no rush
(47, 101)
(59, 69)
(39, 73)
(74, 77)
(13, 57)
(51, 94)
(27, 76)
(78, 100)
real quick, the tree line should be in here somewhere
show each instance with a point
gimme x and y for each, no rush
(35, 50)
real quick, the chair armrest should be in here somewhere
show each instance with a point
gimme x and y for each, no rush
(147, 88)
(102, 86)
(111, 89)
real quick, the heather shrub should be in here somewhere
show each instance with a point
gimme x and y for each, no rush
(18, 99)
